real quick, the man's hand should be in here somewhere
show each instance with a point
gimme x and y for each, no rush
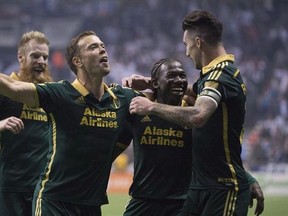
(257, 193)
(141, 106)
(137, 82)
(13, 124)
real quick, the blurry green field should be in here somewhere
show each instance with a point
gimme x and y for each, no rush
(274, 205)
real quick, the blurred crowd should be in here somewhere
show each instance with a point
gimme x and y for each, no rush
(137, 33)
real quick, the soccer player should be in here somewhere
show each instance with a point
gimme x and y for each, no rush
(85, 120)
(23, 131)
(162, 149)
(219, 182)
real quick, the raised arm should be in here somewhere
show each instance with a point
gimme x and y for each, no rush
(17, 90)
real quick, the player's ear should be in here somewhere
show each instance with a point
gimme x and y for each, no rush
(155, 83)
(20, 57)
(77, 61)
(198, 42)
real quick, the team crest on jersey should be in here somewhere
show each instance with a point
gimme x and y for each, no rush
(146, 119)
(116, 103)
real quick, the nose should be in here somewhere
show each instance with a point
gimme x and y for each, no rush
(178, 79)
(41, 60)
(102, 50)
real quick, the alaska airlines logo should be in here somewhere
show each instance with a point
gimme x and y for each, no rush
(97, 118)
(162, 136)
(36, 114)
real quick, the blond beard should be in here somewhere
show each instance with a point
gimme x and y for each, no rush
(26, 75)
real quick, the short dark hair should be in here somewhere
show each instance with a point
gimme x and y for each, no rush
(156, 66)
(73, 49)
(205, 24)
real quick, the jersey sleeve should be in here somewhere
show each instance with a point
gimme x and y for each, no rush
(49, 95)
(228, 85)
(125, 136)
(251, 179)
(128, 92)
(131, 93)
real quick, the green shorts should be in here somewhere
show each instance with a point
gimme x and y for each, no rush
(16, 203)
(153, 207)
(216, 202)
(48, 207)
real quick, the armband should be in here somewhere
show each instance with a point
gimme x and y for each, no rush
(211, 93)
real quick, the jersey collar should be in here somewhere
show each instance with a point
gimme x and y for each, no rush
(227, 57)
(184, 103)
(15, 76)
(82, 90)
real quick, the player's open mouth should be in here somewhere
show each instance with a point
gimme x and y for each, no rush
(178, 90)
(38, 69)
(104, 60)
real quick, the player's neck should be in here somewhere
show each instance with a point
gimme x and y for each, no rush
(94, 85)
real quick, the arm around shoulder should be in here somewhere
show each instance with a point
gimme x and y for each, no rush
(193, 116)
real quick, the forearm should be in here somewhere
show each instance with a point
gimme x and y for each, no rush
(17, 90)
(195, 116)
(184, 116)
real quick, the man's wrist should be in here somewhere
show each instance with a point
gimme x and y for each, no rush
(154, 108)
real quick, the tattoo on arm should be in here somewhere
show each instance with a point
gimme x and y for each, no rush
(194, 116)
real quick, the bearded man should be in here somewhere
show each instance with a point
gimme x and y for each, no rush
(23, 131)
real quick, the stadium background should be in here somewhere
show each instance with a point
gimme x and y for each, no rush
(139, 32)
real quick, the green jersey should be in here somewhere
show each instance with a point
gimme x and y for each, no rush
(83, 134)
(23, 155)
(217, 159)
(162, 158)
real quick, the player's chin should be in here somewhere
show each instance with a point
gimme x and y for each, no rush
(105, 71)
(41, 77)
(38, 73)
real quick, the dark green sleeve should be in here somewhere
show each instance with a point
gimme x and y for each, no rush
(119, 148)
(123, 141)
(251, 179)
